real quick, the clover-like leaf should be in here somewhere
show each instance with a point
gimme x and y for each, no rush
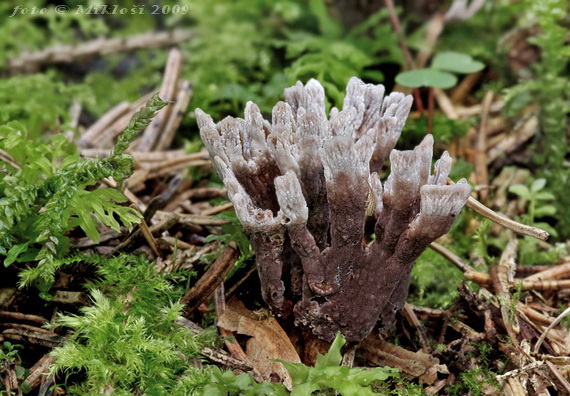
(426, 78)
(456, 62)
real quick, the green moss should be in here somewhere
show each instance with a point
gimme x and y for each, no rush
(127, 340)
(48, 195)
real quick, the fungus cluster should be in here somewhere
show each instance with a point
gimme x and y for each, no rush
(307, 189)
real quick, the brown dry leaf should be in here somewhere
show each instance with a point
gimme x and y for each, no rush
(268, 340)
(412, 364)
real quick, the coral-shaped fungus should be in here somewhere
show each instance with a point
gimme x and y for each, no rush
(305, 187)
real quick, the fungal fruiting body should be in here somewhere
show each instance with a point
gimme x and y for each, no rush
(305, 186)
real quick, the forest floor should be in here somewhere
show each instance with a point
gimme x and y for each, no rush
(486, 315)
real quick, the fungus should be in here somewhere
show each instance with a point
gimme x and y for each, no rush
(305, 186)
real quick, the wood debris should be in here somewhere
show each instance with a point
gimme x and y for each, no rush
(31, 61)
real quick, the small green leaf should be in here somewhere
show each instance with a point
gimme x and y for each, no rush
(537, 185)
(456, 62)
(20, 371)
(426, 78)
(333, 356)
(305, 389)
(89, 225)
(544, 196)
(521, 190)
(546, 210)
(109, 193)
(365, 377)
(14, 252)
(298, 371)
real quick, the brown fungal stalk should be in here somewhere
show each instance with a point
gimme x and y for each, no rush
(305, 185)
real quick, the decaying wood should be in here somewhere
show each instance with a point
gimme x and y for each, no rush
(445, 104)
(104, 236)
(166, 223)
(455, 259)
(348, 356)
(514, 140)
(559, 377)
(147, 234)
(9, 379)
(225, 359)
(218, 356)
(557, 272)
(554, 323)
(405, 50)
(418, 365)
(195, 219)
(36, 337)
(39, 370)
(168, 92)
(481, 308)
(513, 387)
(505, 278)
(181, 103)
(508, 177)
(459, 93)
(218, 209)
(175, 166)
(480, 154)
(29, 61)
(88, 138)
(425, 313)
(159, 201)
(206, 285)
(230, 292)
(97, 140)
(466, 112)
(485, 280)
(23, 316)
(140, 157)
(413, 320)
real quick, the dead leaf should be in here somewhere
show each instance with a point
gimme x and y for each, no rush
(268, 340)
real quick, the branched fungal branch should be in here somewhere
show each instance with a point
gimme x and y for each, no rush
(304, 186)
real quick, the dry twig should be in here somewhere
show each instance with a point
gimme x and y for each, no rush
(206, 285)
(512, 225)
(30, 61)
(480, 160)
(168, 92)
